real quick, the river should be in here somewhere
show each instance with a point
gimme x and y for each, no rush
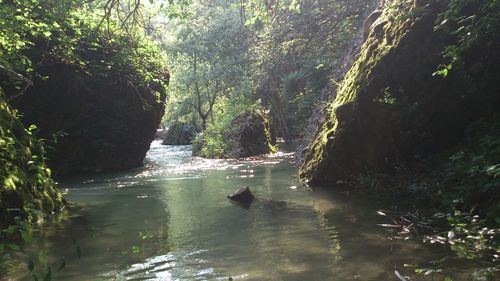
(171, 220)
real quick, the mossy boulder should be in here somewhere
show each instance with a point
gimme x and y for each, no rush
(390, 108)
(105, 123)
(105, 104)
(26, 188)
(179, 134)
(247, 134)
(250, 135)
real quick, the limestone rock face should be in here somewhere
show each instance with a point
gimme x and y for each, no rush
(390, 108)
(104, 123)
(179, 134)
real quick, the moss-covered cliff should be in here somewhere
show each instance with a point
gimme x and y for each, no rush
(390, 108)
(26, 189)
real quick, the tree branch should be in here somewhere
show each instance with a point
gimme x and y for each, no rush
(28, 82)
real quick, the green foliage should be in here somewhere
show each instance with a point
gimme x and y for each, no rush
(471, 174)
(472, 22)
(297, 51)
(65, 32)
(213, 142)
(456, 194)
(27, 193)
(281, 52)
(208, 60)
(219, 141)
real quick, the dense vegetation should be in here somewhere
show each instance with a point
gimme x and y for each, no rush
(28, 192)
(226, 56)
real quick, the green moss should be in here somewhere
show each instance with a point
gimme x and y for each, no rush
(390, 108)
(244, 135)
(375, 49)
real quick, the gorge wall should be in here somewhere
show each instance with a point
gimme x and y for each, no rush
(393, 105)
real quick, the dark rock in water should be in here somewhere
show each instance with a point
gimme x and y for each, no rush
(248, 134)
(179, 134)
(107, 123)
(242, 195)
(252, 135)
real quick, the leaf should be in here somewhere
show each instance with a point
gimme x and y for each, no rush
(13, 246)
(27, 237)
(136, 249)
(389, 225)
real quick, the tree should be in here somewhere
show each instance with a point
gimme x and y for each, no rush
(209, 59)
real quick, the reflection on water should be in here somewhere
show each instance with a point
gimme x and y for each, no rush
(171, 220)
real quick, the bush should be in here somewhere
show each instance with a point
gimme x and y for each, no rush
(239, 132)
(27, 191)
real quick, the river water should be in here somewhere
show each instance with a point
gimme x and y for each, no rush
(171, 220)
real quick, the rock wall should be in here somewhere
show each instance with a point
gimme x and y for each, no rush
(105, 121)
(390, 108)
(328, 93)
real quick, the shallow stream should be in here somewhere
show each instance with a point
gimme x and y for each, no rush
(171, 220)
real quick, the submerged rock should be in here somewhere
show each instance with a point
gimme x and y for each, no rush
(179, 134)
(242, 195)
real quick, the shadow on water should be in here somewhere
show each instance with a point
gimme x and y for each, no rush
(171, 220)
